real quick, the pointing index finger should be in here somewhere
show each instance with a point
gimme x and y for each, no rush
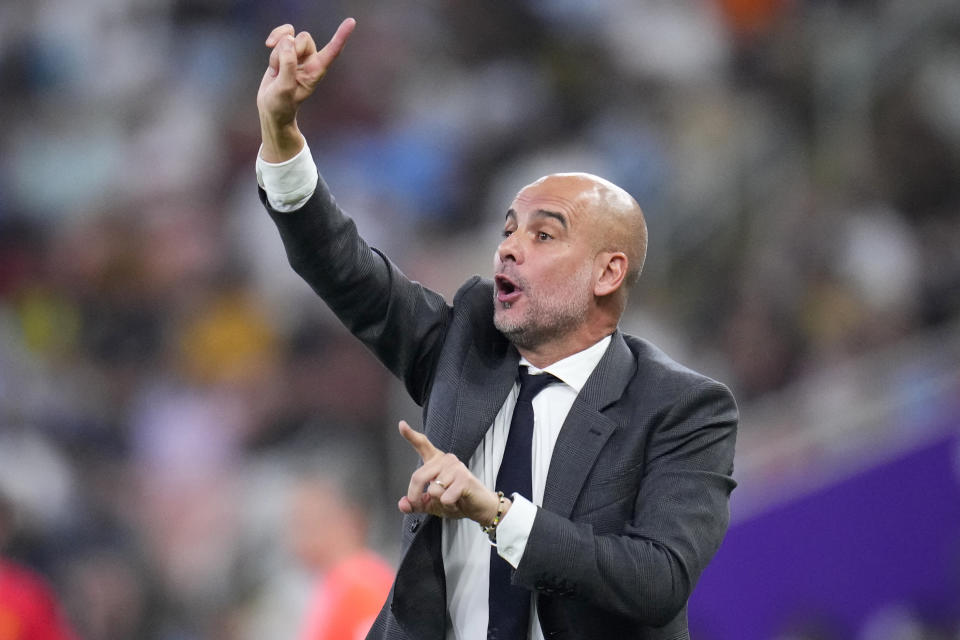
(419, 441)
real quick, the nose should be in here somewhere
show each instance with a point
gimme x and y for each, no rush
(509, 249)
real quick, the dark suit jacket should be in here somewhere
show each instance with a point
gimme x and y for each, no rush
(636, 497)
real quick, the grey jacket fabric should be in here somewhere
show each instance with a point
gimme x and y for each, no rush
(637, 494)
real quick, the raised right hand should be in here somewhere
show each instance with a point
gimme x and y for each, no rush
(443, 486)
(295, 69)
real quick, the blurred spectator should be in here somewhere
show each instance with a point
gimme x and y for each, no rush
(328, 531)
(109, 591)
(28, 606)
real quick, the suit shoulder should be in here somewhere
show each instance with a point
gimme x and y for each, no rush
(475, 290)
(654, 365)
(472, 325)
(474, 301)
(675, 392)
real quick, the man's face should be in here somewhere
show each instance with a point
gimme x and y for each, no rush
(543, 268)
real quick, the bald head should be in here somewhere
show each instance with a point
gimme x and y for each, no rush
(573, 243)
(615, 218)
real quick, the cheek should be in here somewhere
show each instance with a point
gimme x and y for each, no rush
(575, 281)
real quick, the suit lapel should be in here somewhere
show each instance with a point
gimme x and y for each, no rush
(484, 386)
(485, 380)
(586, 430)
(419, 598)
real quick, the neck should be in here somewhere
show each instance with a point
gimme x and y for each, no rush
(542, 356)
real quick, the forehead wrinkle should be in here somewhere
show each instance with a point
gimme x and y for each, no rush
(559, 216)
(563, 207)
(586, 196)
(554, 215)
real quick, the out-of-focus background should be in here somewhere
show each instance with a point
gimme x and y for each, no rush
(165, 377)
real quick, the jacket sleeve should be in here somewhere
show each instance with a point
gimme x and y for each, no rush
(680, 513)
(401, 321)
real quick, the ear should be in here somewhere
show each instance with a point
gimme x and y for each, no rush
(611, 270)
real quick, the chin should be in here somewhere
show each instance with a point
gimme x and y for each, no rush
(504, 323)
(518, 333)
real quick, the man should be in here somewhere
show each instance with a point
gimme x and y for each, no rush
(605, 494)
(328, 534)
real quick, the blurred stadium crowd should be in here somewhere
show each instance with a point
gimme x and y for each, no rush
(161, 368)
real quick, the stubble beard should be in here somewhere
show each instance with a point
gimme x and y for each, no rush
(546, 317)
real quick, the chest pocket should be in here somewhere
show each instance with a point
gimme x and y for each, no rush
(608, 496)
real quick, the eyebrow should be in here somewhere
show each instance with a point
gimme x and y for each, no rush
(541, 213)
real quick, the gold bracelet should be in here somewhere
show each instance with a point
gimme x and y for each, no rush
(491, 529)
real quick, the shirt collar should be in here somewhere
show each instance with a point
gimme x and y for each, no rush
(574, 369)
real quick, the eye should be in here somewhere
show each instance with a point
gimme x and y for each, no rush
(506, 233)
(543, 236)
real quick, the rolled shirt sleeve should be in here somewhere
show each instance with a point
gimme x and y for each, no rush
(288, 184)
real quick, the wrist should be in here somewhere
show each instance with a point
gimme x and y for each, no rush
(280, 142)
(502, 506)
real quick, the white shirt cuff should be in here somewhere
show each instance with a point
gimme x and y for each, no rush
(514, 530)
(288, 184)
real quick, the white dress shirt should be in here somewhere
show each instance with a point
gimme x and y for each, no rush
(466, 549)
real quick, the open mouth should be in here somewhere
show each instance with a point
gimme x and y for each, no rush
(507, 290)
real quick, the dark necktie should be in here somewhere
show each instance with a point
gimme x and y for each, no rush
(509, 605)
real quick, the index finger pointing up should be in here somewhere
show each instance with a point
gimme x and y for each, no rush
(420, 442)
(333, 48)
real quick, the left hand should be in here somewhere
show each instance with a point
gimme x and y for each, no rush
(443, 486)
